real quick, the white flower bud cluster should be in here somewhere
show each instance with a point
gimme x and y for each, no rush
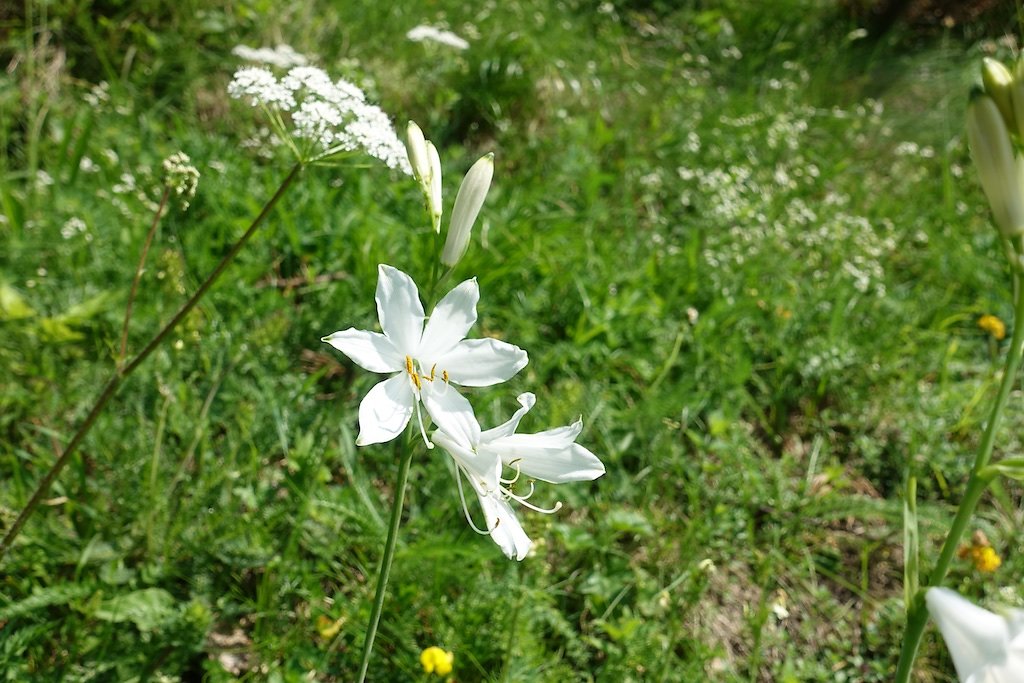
(182, 177)
(332, 115)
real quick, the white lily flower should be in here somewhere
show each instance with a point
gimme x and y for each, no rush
(986, 647)
(482, 457)
(468, 201)
(428, 358)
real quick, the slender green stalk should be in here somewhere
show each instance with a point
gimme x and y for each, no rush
(138, 273)
(917, 614)
(122, 372)
(389, 550)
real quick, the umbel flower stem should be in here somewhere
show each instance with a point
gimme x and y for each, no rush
(138, 273)
(389, 549)
(917, 613)
(123, 371)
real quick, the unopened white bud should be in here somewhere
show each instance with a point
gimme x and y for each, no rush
(998, 83)
(1017, 99)
(417, 147)
(1000, 170)
(471, 197)
(434, 190)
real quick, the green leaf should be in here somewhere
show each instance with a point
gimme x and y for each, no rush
(147, 608)
(1011, 468)
(12, 304)
(911, 544)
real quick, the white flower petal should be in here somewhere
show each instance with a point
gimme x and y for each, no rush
(535, 456)
(526, 400)
(370, 350)
(482, 362)
(385, 410)
(505, 528)
(399, 309)
(451, 412)
(483, 469)
(976, 638)
(449, 322)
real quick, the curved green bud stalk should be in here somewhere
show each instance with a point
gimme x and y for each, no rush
(1000, 170)
(999, 85)
(434, 189)
(467, 205)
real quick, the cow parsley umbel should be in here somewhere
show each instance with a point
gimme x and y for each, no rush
(319, 117)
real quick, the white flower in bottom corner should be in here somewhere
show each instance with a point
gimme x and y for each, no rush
(483, 457)
(428, 359)
(986, 647)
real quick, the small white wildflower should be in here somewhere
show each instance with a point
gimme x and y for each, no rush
(282, 56)
(100, 93)
(126, 184)
(182, 177)
(317, 121)
(261, 88)
(43, 178)
(111, 156)
(72, 227)
(430, 34)
(87, 165)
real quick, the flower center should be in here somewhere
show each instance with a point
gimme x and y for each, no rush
(417, 375)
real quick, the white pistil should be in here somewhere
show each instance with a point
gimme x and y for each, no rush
(465, 508)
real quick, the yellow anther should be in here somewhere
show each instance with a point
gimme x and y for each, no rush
(444, 376)
(408, 365)
(432, 371)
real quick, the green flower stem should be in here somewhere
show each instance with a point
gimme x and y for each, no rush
(389, 550)
(124, 371)
(138, 273)
(917, 614)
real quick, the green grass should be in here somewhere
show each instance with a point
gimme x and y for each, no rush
(708, 227)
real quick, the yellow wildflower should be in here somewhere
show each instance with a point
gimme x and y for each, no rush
(327, 627)
(437, 661)
(993, 326)
(982, 555)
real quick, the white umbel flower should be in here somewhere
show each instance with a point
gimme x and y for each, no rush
(281, 56)
(429, 34)
(327, 116)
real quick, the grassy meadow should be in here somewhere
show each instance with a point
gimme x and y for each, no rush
(746, 245)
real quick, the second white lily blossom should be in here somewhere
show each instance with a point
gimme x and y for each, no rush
(1001, 170)
(483, 456)
(428, 358)
(986, 647)
(471, 197)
